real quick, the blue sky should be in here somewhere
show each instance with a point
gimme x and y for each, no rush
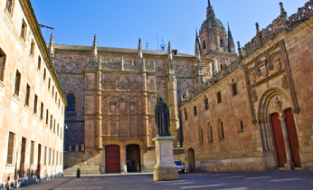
(120, 23)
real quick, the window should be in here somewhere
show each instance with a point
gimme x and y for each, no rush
(57, 129)
(24, 30)
(35, 103)
(54, 125)
(23, 150)
(32, 150)
(241, 126)
(27, 95)
(49, 161)
(57, 158)
(185, 112)
(206, 103)
(39, 154)
(32, 48)
(61, 132)
(17, 83)
(47, 117)
(41, 111)
(2, 64)
(201, 135)
(234, 88)
(9, 6)
(52, 157)
(219, 97)
(71, 103)
(51, 121)
(52, 91)
(204, 45)
(45, 156)
(195, 110)
(222, 135)
(221, 41)
(44, 74)
(210, 133)
(10, 148)
(56, 96)
(39, 63)
(49, 83)
(59, 102)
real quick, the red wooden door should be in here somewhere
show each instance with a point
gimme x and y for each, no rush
(293, 137)
(279, 140)
(112, 159)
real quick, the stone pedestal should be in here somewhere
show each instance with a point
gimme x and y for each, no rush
(165, 168)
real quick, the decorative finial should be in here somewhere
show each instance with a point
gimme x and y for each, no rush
(282, 10)
(51, 45)
(95, 46)
(139, 49)
(239, 50)
(209, 3)
(257, 28)
(170, 55)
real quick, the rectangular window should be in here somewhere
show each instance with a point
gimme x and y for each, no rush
(186, 116)
(58, 130)
(52, 157)
(51, 121)
(49, 161)
(23, 150)
(59, 102)
(2, 64)
(44, 74)
(17, 83)
(222, 131)
(10, 148)
(23, 30)
(52, 91)
(47, 117)
(9, 6)
(219, 97)
(195, 110)
(49, 83)
(234, 88)
(39, 63)
(45, 156)
(57, 158)
(27, 95)
(32, 48)
(54, 125)
(56, 97)
(39, 154)
(210, 133)
(206, 102)
(201, 136)
(241, 125)
(41, 111)
(35, 103)
(32, 150)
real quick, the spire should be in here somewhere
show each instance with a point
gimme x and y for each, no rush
(139, 49)
(197, 43)
(169, 51)
(282, 10)
(51, 45)
(210, 10)
(94, 46)
(231, 45)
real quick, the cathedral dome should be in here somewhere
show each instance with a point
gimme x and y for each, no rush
(211, 22)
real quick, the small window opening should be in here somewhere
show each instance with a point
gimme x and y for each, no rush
(17, 83)
(204, 45)
(235, 90)
(23, 30)
(206, 102)
(219, 97)
(27, 95)
(195, 110)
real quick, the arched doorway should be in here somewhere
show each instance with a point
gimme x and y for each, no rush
(293, 137)
(191, 160)
(112, 159)
(279, 140)
(133, 158)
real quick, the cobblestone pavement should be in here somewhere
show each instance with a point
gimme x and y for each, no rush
(228, 181)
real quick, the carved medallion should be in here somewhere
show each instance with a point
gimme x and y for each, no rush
(113, 105)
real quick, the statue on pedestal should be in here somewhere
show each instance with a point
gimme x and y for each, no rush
(162, 118)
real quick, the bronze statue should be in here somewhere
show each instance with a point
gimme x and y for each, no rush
(162, 118)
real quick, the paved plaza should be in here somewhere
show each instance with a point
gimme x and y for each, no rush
(227, 181)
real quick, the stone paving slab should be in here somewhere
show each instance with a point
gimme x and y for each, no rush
(283, 180)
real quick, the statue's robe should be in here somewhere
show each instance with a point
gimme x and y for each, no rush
(162, 118)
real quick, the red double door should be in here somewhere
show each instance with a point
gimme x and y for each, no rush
(279, 139)
(112, 159)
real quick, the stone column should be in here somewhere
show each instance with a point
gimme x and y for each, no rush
(123, 158)
(173, 105)
(289, 164)
(98, 111)
(145, 107)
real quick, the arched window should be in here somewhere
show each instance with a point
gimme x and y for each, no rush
(204, 45)
(71, 103)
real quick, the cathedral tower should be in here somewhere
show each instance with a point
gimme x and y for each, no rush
(215, 42)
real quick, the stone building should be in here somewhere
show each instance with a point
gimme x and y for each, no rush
(112, 92)
(256, 113)
(31, 100)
